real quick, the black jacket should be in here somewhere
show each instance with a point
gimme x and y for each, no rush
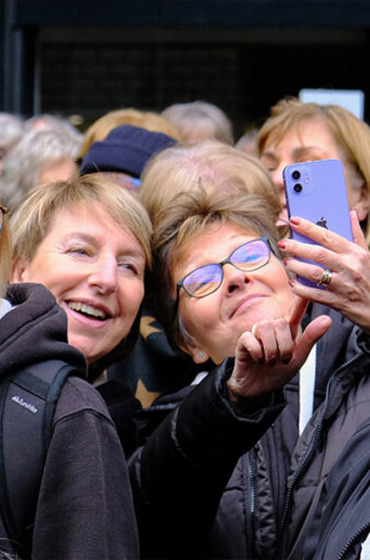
(225, 502)
(85, 508)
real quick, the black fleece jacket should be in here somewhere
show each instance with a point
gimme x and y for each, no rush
(85, 508)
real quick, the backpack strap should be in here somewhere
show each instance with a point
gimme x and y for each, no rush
(27, 405)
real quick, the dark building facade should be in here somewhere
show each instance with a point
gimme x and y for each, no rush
(89, 57)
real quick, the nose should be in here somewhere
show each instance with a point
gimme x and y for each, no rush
(277, 177)
(103, 274)
(234, 279)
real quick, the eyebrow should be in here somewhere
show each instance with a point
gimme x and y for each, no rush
(91, 239)
(299, 152)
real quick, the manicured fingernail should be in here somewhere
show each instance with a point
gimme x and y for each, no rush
(295, 221)
(282, 244)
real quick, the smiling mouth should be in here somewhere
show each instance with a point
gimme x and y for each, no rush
(88, 311)
(244, 305)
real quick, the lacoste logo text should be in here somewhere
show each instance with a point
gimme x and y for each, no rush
(25, 404)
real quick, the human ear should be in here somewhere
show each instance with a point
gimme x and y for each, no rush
(18, 268)
(362, 205)
(198, 355)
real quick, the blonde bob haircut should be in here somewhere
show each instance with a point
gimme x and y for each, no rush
(351, 134)
(218, 167)
(187, 218)
(33, 218)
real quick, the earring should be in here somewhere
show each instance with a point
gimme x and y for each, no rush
(200, 356)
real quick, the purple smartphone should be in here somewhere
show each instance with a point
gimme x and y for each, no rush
(316, 191)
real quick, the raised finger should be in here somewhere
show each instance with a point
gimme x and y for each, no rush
(284, 340)
(296, 315)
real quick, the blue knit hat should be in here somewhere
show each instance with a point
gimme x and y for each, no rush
(126, 148)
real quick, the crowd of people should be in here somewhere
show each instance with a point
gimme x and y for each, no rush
(200, 401)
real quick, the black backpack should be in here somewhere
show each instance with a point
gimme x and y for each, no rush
(27, 404)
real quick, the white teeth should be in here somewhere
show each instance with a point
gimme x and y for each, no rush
(87, 309)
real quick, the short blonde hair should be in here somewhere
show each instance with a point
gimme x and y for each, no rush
(33, 218)
(350, 133)
(217, 166)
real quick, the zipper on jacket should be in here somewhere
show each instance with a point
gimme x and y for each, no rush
(306, 459)
(250, 501)
(353, 539)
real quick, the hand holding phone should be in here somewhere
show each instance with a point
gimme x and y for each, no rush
(316, 191)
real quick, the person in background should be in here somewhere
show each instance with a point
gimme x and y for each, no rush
(42, 155)
(123, 154)
(83, 503)
(11, 131)
(202, 488)
(49, 120)
(297, 132)
(248, 142)
(148, 120)
(197, 121)
(89, 242)
(149, 368)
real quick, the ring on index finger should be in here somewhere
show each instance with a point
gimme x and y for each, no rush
(325, 278)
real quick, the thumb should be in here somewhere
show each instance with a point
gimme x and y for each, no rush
(313, 332)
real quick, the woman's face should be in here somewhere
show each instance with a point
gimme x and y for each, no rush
(95, 269)
(215, 322)
(311, 140)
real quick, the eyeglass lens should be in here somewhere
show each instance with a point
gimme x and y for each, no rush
(206, 279)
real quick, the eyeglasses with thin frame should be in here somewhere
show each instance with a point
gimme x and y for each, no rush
(206, 279)
(3, 211)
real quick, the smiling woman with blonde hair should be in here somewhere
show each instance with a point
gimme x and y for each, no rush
(48, 512)
(88, 241)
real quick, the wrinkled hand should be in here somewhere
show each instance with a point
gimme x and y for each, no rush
(349, 263)
(272, 353)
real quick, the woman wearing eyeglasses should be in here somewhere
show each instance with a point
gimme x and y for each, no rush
(224, 475)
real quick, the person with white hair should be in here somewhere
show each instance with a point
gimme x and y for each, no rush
(42, 155)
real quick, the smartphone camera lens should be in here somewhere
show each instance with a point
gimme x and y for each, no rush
(296, 175)
(298, 187)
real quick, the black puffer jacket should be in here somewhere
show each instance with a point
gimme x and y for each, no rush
(211, 499)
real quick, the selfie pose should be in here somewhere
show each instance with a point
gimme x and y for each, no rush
(214, 474)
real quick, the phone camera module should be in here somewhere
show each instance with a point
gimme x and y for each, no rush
(298, 188)
(296, 175)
